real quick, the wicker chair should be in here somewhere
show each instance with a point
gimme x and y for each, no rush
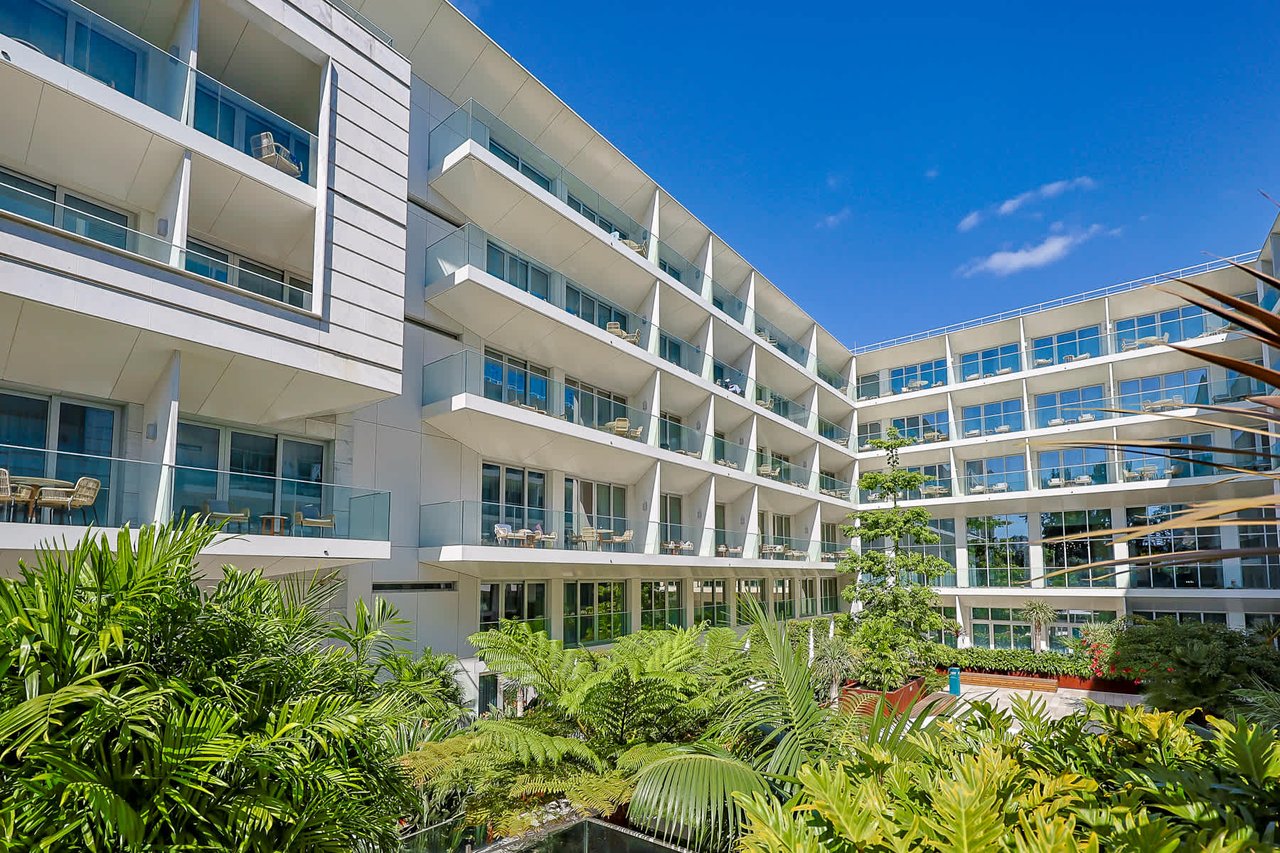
(309, 518)
(82, 497)
(220, 512)
(12, 495)
(266, 149)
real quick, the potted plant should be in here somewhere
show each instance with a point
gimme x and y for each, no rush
(895, 608)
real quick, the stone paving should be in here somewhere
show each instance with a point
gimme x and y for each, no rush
(1057, 704)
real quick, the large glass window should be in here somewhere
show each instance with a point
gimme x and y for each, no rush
(661, 604)
(866, 432)
(513, 380)
(868, 386)
(992, 418)
(1073, 345)
(1081, 551)
(1162, 327)
(595, 612)
(937, 486)
(753, 589)
(999, 553)
(582, 303)
(511, 497)
(82, 435)
(1261, 569)
(593, 407)
(25, 197)
(230, 268)
(672, 522)
(1070, 626)
(519, 164)
(710, 604)
(1193, 574)
(829, 588)
(1074, 466)
(1166, 391)
(993, 361)
(933, 426)
(944, 548)
(995, 475)
(1073, 406)
(784, 595)
(595, 218)
(513, 601)
(1171, 464)
(996, 628)
(915, 377)
(602, 506)
(195, 482)
(517, 271)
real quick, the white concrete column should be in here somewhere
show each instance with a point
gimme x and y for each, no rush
(172, 213)
(749, 297)
(648, 494)
(810, 341)
(646, 407)
(183, 44)
(653, 223)
(700, 514)
(706, 261)
(160, 443)
(651, 313)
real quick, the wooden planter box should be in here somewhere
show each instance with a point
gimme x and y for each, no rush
(863, 700)
(1103, 685)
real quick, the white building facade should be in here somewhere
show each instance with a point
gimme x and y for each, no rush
(438, 332)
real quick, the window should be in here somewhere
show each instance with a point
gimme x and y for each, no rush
(933, 426)
(661, 604)
(670, 269)
(582, 303)
(1162, 327)
(996, 475)
(519, 164)
(1076, 405)
(994, 361)
(54, 206)
(595, 612)
(1137, 466)
(1076, 552)
(680, 353)
(599, 505)
(868, 386)
(833, 543)
(61, 439)
(830, 591)
(808, 597)
(672, 522)
(914, 377)
(999, 553)
(235, 121)
(710, 604)
(674, 435)
(1077, 344)
(487, 701)
(937, 486)
(516, 271)
(731, 379)
(945, 548)
(513, 601)
(992, 418)
(784, 598)
(1260, 570)
(229, 268)
(866, 432)
(1172, 575)
(1180, 616)
(995, 628)
(947, 638)
(508, 379)
(1075, 466)
(753, 589)
(593, 217)
(1166, 391)
(511, 496)
(595, 407)
(1070, 626)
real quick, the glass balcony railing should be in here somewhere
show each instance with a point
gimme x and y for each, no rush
(782, 406)
(774, 547)
(832, 552)
(1067, 347)
(473, 122)
(471, 246)
(57, 487)
(498, 525)
(679, 267)
(833, 432)
(726, 301)
(468, 372)
(781, 341)
(1077, 406)
(1165, 327)
(834, 487)
(1075, 475)
(734, 544)
(832, 377)
(105, 227)
(729, 378)
(773, 468)
(679, 438)
(730, 455)
(681, 353)
(1000, 424)
(993, 482)
(80, 38)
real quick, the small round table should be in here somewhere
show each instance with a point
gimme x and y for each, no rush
(273, 525)
(38, 484)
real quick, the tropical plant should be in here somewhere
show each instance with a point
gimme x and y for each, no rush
(1040, 614)
(833, 661)
(1106, 780)
(895, 607)
(1022, 661)
(137, 713)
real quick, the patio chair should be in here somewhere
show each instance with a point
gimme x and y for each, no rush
(309, 518)
(1082, 480)
(266, 149)
(587, 536)
(503, 532)
(621, 426)
(12, 495)
(624, 538)
(220, 512)
(634, 432)
(546, 540)
(638, 248)
(81, 497)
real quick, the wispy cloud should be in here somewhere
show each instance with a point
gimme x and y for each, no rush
(931, 173)
(835, 220)
(834, 180)
(1057, 245)
(1021, 200)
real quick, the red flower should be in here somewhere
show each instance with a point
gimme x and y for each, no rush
(1169, 669)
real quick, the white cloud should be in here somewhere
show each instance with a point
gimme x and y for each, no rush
(835, 220)
(834, 181)
(931, 173)
(1021, 200)
(1053, 248)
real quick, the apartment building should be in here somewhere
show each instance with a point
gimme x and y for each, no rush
(350, 279)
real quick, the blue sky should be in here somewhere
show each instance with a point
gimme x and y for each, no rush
(899, 169)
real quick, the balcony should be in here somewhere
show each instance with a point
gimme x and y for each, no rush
(783, 471)
(680, 438)
(833, 377)
(730, 455)
(734, 544)
(726, 301)
(70, 34)
(1165, 327)
(775, 547)
(833, 432)
(834, 487)
(781, 406)
(269, 517)
(729, 378)
(782, 342)
(526, 530)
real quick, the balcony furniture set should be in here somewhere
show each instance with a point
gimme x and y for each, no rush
(994, 488)
(614, 328)
(240, 520)
(1139, 343)
(623, 427)
(266, 149)
(524, 537)
(592, 538)
(60, 497)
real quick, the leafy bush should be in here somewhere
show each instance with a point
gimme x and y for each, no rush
(1186, 665)
(137, 713)
(1008, 661)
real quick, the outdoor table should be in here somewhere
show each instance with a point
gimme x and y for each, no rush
(272, 525)
(38, 484)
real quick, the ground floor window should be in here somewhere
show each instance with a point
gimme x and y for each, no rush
(784, 596)
(948, 638)
(830, 588)
(595, 612)
(808, 597)
(995, 628)
(1180, 615)
(661, 604)
(710, 604)
(488, 698)
(752, 589)
(513, 601)
(1070, 626)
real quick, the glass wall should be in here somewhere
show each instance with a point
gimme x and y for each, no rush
(1192, 574)
(915, 377)
(992, 418)
(999, 550)
(661, 604)
(1060, 555)
(1074, 345)
(993, 361)
(513, 601)
(595, 612)
(1075, 405)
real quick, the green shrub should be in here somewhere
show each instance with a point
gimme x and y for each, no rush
(1008, 660)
